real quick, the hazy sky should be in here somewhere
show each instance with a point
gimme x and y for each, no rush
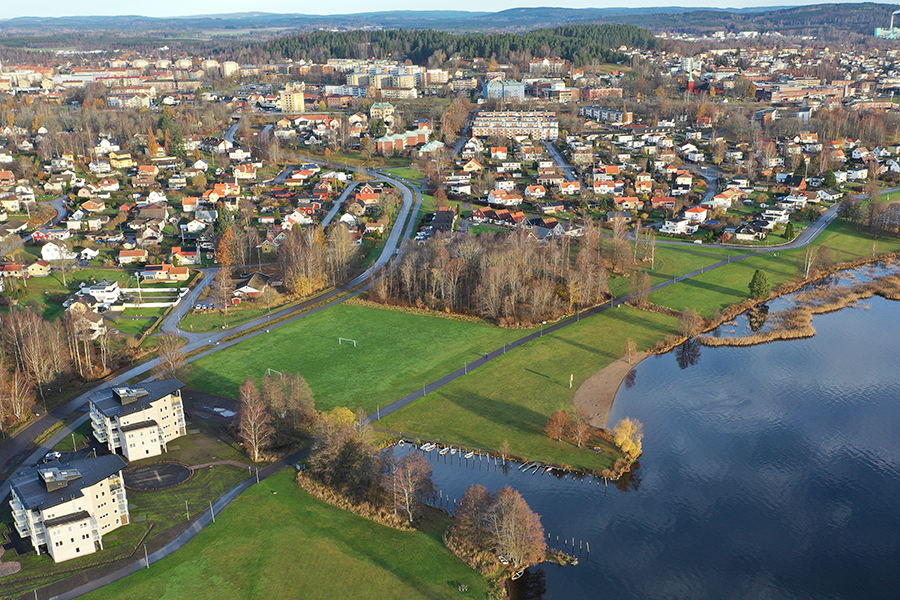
(164, 8)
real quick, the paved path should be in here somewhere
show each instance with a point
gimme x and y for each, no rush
(568, 169)
(804, 239)
(203, 521)
(13, 449)
(338, 204)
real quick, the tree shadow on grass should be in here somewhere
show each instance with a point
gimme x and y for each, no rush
(500, 412)
(719, 289)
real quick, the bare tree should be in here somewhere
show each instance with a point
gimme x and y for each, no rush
(255, 421)
(580, 430)
(409, 482)
(171, 355)
(516, 530)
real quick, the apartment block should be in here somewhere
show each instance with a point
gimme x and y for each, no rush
(138, 422)
(66, 509)
(537, 125)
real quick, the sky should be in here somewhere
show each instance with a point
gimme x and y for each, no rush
(169, 8)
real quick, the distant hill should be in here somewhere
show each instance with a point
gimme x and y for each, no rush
(820, 19)
(515, 19)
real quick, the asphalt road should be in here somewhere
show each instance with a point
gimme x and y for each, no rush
(568, 169)
(338, 204)
(14, 450)
(61, 211)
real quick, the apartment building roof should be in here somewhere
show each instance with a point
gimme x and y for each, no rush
(54, 483)
(123, 400)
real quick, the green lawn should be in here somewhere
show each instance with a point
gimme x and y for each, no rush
(164, 510)
(512, 398)
(406, 173)
(131, 326)
(727, 285)
(277, 541)
(397, 353)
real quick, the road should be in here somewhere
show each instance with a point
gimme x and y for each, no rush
(804, 239)
(13, 450)
(203, 521)
(338, 204)
(567, 169)
(170, 323)
(61, 211)
(229, 135)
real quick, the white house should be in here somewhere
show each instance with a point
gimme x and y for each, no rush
(696, 214)
(679, 227)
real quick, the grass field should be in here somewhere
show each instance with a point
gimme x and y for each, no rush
(406, 173)
(277, 541)
(164, 510)
(397, 353)
(512, 398)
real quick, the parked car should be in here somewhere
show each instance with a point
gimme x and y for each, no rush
(51, 456)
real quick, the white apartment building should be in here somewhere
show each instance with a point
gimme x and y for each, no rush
(65, 509)
(538, 125)
(292, 100)
(139, 422)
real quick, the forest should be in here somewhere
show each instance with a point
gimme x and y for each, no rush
(581, 44)
(510, 279)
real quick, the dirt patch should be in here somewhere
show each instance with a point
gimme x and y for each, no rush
(595, 398)
(10, 567)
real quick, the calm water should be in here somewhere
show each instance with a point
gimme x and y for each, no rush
(768, 472)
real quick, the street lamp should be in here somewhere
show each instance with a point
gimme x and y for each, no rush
(542, 327)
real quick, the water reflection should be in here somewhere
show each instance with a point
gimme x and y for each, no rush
(757, 316)
(768, 471)
(532, 585)
(688, 353)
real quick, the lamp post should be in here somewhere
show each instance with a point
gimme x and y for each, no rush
(542, 327)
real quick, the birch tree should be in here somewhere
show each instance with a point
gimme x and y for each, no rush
(255, 421)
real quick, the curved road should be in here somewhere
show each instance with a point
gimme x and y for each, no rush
(394, 245)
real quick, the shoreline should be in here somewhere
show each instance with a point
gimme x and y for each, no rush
(595, 397)
(597, 394)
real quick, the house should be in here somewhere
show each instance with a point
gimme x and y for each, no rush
(121, 160)
(472, 166)
(105, 293)
(628, 203)
(165, 272)
(535, 192)
(39, 268)
(553, 207)
(679, 227)
(830, 195)
(52, 251)
(66, 508)
(244, 171)
(11, 270)
(750, 232)
(252, 286)
(87, 322)
(683, 179)
(138, 422)
(93, 206)
(185, 255)
(503, 198)
(7, 178)
(643, 183)
(129, 257)
(108, 185)
(857, 173)
(663, 202)
(696, 214)
(99, 167)
(569, 188)
(499, 152)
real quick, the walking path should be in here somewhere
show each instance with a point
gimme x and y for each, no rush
(188, 534)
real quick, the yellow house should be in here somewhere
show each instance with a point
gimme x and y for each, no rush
(121, 160)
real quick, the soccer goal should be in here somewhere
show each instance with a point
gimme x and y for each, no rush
(348, 340)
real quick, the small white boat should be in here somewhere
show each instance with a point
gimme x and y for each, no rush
(517, 574)
(470, 454)
(453, 451)
(427, 447)
(548, 469)
(503, 560)
(444, 451)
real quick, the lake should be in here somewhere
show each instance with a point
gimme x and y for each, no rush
(768, 472)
